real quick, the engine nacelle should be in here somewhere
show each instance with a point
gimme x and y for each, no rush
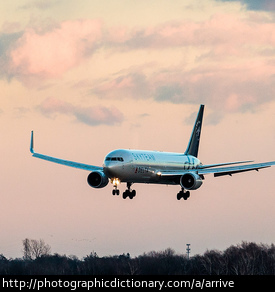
(97, 179)
(190, 181)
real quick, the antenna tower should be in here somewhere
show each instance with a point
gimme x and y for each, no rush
(188, 249)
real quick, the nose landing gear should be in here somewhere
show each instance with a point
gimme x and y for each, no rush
(115, 183)
(115, 191)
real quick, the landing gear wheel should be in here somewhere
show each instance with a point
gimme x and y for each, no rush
(179, 195)
(125, 194)
(132, 194)
(129, 193)
(186, 195)
(183, 195)
(115, 192)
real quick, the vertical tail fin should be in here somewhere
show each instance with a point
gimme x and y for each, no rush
(193, 145)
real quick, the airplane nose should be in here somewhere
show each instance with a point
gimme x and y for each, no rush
(109, 169)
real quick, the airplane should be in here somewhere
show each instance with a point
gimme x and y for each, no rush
(155, 167)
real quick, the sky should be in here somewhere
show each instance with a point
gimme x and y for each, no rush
(93, 76)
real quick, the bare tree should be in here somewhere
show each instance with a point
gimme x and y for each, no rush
(33, 249)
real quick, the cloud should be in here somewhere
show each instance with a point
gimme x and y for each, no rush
(92, 116)
(174, 93)
(224, 32)
(40, 4)
(99, 115)
(52, 53)
(7, 41)
(56, 50)
(233, 88)
(130, 85)
(226, 60)
(234, 68)
(264, 5)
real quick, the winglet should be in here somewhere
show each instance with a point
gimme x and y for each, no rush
(31, 146)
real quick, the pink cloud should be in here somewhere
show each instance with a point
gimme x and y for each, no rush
(221, 34)
(234, 67)
(92, 116)
(52, 106)
(99, 115)
(235, 72)
(52, 53)
(236, 87)
(233, 87)
(130, 85)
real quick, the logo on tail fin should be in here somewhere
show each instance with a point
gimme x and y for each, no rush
(198, 131)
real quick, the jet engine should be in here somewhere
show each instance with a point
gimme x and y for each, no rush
(97, 179)
(190, 181)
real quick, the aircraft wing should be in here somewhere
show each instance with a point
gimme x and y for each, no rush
(62, 161)
(218, 171)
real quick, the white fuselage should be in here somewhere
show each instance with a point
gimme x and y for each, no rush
(138, 166)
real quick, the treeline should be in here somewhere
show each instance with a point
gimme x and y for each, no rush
(242, 259)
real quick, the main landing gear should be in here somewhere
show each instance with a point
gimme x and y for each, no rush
(128, 193)
(182, 194)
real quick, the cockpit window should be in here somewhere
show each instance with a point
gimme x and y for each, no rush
(114, 159)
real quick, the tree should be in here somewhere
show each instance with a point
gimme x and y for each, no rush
(32, 249)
